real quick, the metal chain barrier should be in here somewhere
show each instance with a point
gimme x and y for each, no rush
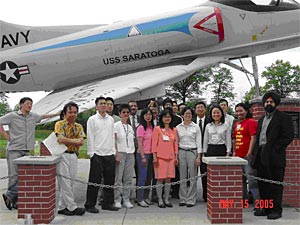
(161, 185)
(131, 186)
(271, 181)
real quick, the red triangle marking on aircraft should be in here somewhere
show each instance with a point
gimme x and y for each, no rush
(220, 31)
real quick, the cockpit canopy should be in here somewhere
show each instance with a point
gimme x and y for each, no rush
(261, 5)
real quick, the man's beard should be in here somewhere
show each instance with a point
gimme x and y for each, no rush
(269, 108)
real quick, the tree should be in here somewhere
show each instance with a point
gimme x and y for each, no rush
(251, 94)
(284, 77)
(190, 86)
(221, 83)
(4, 106)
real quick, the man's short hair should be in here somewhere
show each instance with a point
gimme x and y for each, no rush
(167, 100)
(132, 101)
(98, 99)
(22, 100)
(200, 103)
(67, 106)
(110, 99)
(181, 105)
(223, 100)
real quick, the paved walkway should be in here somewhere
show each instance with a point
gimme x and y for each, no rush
(137, 215)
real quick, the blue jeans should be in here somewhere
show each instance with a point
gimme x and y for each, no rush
(142, 175)
(11, 155)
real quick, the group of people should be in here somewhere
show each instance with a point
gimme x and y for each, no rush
(159, 147)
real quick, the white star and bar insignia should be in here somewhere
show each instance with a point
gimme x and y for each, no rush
(11, 73)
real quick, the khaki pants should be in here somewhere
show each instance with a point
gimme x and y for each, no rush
(67, 167)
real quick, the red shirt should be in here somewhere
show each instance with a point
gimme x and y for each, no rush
(242, 132)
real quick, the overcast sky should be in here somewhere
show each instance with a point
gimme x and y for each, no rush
(70, 12)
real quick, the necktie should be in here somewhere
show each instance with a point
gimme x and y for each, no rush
(133, 125)
(200, 125)
(133, 122)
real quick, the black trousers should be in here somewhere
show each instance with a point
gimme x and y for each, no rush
(212, 150)
(203, 169)
(101, 166)
(175, 187)
(268, 191)
(150, 177)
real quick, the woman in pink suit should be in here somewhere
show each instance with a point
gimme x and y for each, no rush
(165, 152)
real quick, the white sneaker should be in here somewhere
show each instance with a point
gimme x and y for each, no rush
(128, 205)
(118, 205)
(143, 204)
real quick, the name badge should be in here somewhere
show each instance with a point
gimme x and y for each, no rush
(215, 137)
(238, 126)
(166, 138)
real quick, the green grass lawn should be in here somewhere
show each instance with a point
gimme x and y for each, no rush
(40, 135)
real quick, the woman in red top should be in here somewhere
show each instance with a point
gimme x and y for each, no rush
(244, 136)
(165, 152)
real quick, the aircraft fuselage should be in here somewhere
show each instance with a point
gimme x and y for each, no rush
(171, 39)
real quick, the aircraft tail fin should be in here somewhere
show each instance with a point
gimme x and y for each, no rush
(13, 35)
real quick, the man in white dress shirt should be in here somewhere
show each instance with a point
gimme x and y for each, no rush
(228, 118)
(202, 120)
(101, 150)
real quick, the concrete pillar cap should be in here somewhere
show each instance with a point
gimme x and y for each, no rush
(230, 161)
(37, 160)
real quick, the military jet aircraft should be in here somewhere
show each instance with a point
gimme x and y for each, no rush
(136, 59)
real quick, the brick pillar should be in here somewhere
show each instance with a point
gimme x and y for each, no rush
(291, 194)
(37, 188)
(224, 189)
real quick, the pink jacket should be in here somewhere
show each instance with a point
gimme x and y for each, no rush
(165, 149)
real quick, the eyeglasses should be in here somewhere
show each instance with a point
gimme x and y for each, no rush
(124, 112)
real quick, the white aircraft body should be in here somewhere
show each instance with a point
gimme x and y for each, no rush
(136, 59)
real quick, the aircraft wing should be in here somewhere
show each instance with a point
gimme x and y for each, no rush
(134, 86)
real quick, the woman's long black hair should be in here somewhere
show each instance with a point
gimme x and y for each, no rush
(143, 122)
(164, 113)
(210, 113)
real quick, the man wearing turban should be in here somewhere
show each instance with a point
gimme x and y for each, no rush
(274, 134)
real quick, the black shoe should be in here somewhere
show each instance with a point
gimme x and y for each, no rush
(92, 210)
(190, 205)
(62, 212)
(79, 211)
(168, 204)
(274, 216)
(75, 212)
(182, 204)
(260, 212)
(7, 201)
(109, 207)
(161, 205)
